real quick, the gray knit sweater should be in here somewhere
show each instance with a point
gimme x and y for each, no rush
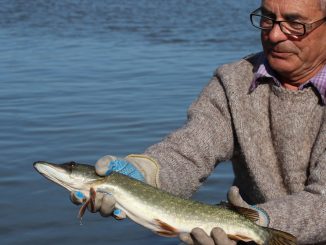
(276, 140)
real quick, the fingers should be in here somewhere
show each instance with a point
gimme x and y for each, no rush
(186, 238)
(102, 166)
(235, 198)
(220, 237)
(104, 204)
(107, 205)
(199, 237)
(107, 208)
(96, 204)
(77, 197)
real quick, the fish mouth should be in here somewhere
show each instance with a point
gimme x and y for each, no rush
(59, 174)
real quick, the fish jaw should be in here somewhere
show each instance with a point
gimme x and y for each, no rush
(67, 175)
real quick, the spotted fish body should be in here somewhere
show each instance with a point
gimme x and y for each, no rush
(159, 211)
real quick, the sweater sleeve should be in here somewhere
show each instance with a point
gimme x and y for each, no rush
(304, 213)
(188, 155)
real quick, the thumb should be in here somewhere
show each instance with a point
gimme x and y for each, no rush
(102, 166)
(77, 197)
(235, 198)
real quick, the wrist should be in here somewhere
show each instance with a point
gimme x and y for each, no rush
(148, 166)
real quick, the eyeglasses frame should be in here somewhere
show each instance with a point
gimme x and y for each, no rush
(307, 27)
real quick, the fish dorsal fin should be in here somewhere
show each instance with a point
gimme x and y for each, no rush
(247, 212)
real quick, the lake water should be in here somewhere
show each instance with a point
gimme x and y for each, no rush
(81, 79)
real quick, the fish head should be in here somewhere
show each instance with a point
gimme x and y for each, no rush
(72, 176)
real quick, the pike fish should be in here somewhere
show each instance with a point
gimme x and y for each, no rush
(160, 211)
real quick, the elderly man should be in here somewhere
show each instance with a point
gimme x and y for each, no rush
(267, 114)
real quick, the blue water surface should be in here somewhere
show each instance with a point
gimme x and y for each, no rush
(84, 78)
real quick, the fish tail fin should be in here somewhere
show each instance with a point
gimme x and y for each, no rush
(277, 237)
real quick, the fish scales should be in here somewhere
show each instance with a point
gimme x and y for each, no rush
(176, 211)
(162, 212)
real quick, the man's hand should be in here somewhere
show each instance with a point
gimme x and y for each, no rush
(139, 167)
(199, 237)
(218, 237)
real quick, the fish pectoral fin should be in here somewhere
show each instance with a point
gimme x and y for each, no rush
(83, 209)
(90, 201)
(239, 238)
(247, 212)
(92, 194)
(165, 229)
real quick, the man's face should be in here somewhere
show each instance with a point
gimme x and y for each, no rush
(295, 59)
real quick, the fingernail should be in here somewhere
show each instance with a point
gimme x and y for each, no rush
(79, 194)
(117, 212)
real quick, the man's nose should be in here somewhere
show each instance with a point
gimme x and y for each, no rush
(276, 35)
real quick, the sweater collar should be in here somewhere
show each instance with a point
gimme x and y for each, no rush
(263, 70)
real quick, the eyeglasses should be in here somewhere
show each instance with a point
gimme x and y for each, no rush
(291, 28)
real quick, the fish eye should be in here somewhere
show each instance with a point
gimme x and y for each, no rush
(70, 165)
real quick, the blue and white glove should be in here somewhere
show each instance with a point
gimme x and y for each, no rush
(140, 167)
(108, 164)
